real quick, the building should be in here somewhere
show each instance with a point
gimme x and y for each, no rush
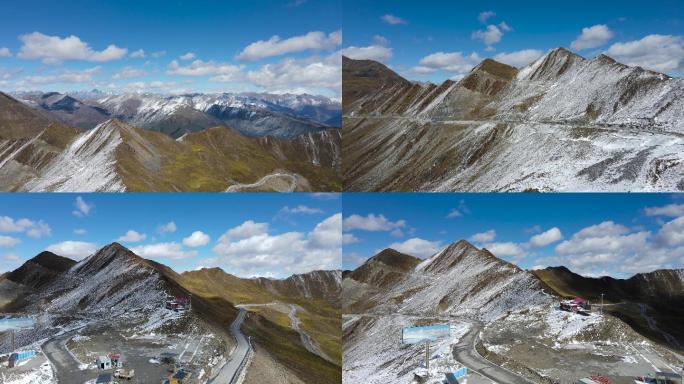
(18, 356)
(113, 360)
(178, 303)
(577, 304)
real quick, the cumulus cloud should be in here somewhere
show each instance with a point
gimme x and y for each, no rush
(196, 239)
(169, 227)
(80, 231)
(375, 52)
(275, 46)
(486, 15)
(5, 52)
(672, 210)
(372, 223)
(671, 233)
(83, 208)
(592, 37)
(545, 238)
(506, 249)
(9, 241)
(67, 76)
(490, 36)
(662, 53)
(54, 49)
(519, 58)
(417, 247)
(132, 237)
(250, 250)
(300, 209)
(33, 229)
(392, 19)
(299, 75)
(221, 71)
(458, 212)
(188, 56)
(455, 62)
(349, 238)
(483, 237)
(139, 54)
(171, 250)
(76, 250)
(129, 72)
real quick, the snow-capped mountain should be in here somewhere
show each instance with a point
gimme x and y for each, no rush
(39, 155)
(252, 114)
(561, 123)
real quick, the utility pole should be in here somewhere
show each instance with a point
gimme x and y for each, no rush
(602, 304)
(427, 359)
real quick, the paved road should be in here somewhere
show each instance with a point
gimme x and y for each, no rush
(65, 366)
(278, 182)
(306, 339)
(465, 353)
(230, 369)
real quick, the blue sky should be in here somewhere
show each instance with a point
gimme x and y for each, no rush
(402, 34)
(36, 51)
(259, 234)
(592, 234)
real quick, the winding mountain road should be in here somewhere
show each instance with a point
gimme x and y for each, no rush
(308, 343)
(65, 366)
(464, 351)
(232, 368)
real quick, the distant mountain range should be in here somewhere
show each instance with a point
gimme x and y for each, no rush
(252, 114)
(114, 280)
(39, 154)
(560, 123)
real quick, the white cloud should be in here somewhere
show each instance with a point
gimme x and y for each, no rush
(672, 210)
(546, 238)
(372, 223)
(592, 37)
(158, 54)
(393, 20)
(455, 62)
(380, 40)
(372, 52)
(519, 58)
(671, 233)
(300, 209)
(170, 250)
(484, 237)
(299, 75)
(275, 46)
(657, 52)
(247, 229)
(139, 54)
(188, 56)
(80, 231)
(169, 227)
(417, 247)
(5, 52)
(484, 16)
(83, 208)
(54, 49)
(505, 27)
(76, 250)
(348, 238)
(33, 229)
(250, 250)
(490, 36)
(66, 76)
(132, 237)
(458, 212)
(506, 249)
(129, 72)
(222, 71)
(8, 241)
(196, 239)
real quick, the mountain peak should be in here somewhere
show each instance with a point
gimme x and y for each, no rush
(496, 68)
(105, 256)
(396, 259)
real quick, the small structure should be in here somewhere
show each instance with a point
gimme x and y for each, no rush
(126, 374)
(104, 378)
(668, 378)
(453, 377)
(18, 356)
(104, 362)
(180, 377)
(179, 303)
(116, 360)
(577, 305)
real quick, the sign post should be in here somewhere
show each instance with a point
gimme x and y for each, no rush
(425, 334)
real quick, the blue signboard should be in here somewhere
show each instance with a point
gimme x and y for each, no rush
(452, 377)
(414, 335)
(16, 323)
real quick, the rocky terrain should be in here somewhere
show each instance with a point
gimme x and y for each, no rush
(562, 123)
(37, 154)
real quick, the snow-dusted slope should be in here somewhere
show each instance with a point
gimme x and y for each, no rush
(563, 123)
